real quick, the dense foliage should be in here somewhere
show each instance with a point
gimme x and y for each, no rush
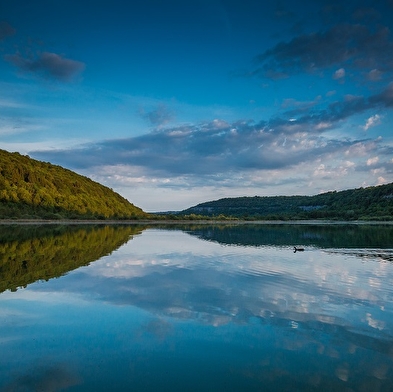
(364, 203)
(34, 189)
(29, 253)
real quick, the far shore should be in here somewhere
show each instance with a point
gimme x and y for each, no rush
(186, 222)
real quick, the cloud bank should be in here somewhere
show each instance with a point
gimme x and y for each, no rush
(218, 151)
(354, 45)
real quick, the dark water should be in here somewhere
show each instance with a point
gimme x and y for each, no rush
(204, 308)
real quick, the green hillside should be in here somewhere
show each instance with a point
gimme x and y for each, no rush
(374, 203)
(34, 189)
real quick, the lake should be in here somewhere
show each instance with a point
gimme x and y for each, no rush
(196, 308)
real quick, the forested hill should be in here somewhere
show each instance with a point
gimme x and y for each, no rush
(363, 203)
(34, 189)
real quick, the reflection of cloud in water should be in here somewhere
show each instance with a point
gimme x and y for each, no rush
(375, 323)
(44, 379)
(278, 311)
(215, 298)
(319, 291)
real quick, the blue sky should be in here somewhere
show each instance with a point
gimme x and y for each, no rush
(172, 103)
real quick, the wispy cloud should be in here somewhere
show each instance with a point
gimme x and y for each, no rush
(48, 65)
(339, 74)
(372, 122)
(327, 118)
(352, 45)
(158, 116)
(374, 75)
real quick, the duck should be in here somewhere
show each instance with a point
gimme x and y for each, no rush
(296, 249)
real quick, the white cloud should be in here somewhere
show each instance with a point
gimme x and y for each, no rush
(381, 180)
(372, 161)
(374, 75)
(341, 169)
(372, 122)
(339, 74)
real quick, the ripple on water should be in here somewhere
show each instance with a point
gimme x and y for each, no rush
(385, 255)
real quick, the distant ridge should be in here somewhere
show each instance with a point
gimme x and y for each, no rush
(371, 203)
(34, 189)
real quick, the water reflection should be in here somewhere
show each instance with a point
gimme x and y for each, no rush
(317, 235)
(30, 253)
(172, 309)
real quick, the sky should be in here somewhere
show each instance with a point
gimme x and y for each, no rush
(173, 103)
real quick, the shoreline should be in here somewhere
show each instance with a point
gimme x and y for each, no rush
(156, 222)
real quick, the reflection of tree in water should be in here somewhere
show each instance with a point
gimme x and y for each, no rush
(31, 253)
(323, 236)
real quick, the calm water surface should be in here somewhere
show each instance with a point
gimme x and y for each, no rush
(204, 308)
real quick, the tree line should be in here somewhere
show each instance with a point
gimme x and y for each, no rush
(371, 203)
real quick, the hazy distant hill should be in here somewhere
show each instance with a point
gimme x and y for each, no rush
(363, 203)
(34, 189)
